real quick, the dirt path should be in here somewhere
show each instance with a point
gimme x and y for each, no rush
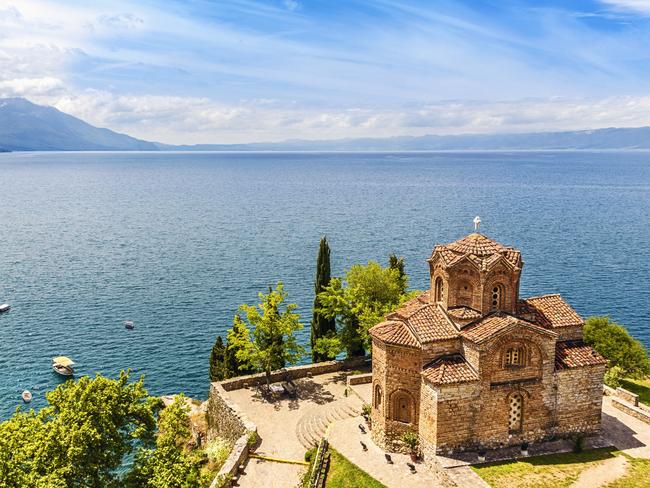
(602, 474)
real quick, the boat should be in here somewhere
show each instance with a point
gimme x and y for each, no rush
(5, 307)
(27, 396)
(128, 324)
(63, 366)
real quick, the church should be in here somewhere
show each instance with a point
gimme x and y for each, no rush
(469, 365)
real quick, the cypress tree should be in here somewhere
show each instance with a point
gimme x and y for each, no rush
(320, 325)
(398, 265)
(218, 370)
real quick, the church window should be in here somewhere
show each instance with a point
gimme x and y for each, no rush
(377, 396)
(402, 407)
(497, 297)
(514, 412)
(515, 356)
(440, 290)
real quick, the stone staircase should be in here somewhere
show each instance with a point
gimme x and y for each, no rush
(313, 425)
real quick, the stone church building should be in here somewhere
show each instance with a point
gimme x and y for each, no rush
(469, 364)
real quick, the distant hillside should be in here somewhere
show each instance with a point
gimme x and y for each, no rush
(25, 126)
(634, 138)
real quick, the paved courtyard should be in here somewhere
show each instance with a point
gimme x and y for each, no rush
(288, 427)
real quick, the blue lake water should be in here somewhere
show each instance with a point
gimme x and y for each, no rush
(176, 241)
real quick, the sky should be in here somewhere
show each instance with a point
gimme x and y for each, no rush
(230, 71)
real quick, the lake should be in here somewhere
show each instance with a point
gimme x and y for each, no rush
(175, 241)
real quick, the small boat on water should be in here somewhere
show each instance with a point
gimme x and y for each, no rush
(63, 366)
(27, 396)
(5, 307)
(128, 324)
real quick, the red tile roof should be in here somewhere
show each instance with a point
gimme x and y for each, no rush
(493, 324)
(426, 321)
(463, 313)
(575, 354)
(551, 311)
(480, 249)
(394, 332)
(448, 370)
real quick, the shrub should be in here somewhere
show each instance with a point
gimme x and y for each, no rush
(615, 343)
(309, 455)
(613, 376)
(578, 442)
(218, 451)
(410, 439)
(366, 409)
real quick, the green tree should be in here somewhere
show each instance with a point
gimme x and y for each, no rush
(397, 263)
(81, 437)
(218, 368)
(615, 343)
(267, 335)
(236, 338)
(321, 326)
(172, 464)
(361, 300)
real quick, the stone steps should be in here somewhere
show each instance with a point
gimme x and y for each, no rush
(312, 426)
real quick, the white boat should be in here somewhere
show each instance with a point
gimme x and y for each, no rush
(63, 366)
(5, 307)
(128, 324)
(27, 396)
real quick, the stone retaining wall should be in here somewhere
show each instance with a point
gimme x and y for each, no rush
(628, 396)
(632, 410)
(294, 373)
(226, 420)
(358, 379)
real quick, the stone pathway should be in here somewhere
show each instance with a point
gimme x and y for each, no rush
(345, 437)
(627, 433)
(602, 474)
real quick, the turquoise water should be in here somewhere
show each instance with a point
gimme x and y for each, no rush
(176, 241)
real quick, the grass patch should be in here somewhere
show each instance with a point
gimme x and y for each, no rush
(552, 470)
(639, 387)
(637, 475)
(344, 474)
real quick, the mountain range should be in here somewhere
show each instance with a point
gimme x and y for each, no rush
(25, 126)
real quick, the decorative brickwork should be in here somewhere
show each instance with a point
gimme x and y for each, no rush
(468, 364)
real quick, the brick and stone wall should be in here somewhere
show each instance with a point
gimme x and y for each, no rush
(294, 372)
(579, 399)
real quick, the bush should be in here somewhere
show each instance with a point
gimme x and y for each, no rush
(613, 376)
(410, 439)
(218, 451)
(615, 343)
(366, 409)
(578, 442)
(309, 455)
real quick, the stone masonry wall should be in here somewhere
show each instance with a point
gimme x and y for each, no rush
(398, 372)
(579, 399)
(293, 373)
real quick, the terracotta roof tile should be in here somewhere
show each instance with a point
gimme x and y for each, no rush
(394, 332)
(480, 249)
(448, 370)
(574, 354)
(426, 320)
(485, 328)
(551, 311)
(464, 313)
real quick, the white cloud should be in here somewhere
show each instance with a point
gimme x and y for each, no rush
(638, 6)
(32, 87)
(291, 5)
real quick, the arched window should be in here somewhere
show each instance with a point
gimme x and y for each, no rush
(515, 408)
(498, 296)
(402, 407)
(440, 289)
(377, 398)
(514, 356)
